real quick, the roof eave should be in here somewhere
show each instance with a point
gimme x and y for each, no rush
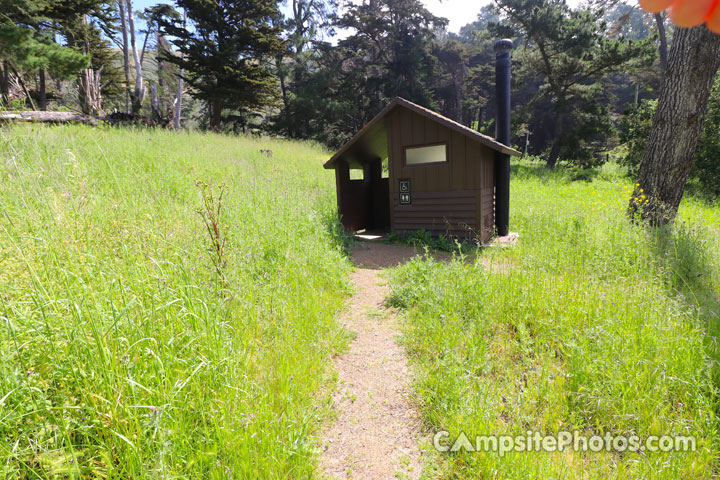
(462, 129)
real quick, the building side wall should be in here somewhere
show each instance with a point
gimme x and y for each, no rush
(450, 198)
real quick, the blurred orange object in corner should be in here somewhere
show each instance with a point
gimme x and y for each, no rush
(713, 21)
(655, 6)
(687, 13)
(690, 13)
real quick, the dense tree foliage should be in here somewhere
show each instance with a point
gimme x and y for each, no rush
(226, 52)
(572, 53)
(27, 43)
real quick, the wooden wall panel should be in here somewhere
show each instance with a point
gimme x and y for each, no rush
(487, 179)
(487, 213)
(439, 176)
(419, 175)
(456, 197)
(431, 131)
(472, 168)
(458, 161)
(450, 212)
(392, 134)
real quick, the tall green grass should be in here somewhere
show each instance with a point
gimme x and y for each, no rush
(589, 323)
(123, 352)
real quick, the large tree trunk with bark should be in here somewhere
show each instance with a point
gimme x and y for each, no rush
(662, 36)
(89, 84)
(692, 64)
(90, 91)
(457, 85)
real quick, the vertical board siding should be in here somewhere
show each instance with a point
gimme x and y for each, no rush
(418, 138)
(457, 167)
(487, 212)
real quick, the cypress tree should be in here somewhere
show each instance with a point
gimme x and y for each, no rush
(225, 52)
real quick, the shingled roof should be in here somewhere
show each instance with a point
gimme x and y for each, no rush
(451, 124)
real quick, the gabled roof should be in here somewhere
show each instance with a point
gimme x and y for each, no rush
(451, 124)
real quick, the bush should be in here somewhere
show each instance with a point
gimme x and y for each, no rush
(706, 167)
(635, 130)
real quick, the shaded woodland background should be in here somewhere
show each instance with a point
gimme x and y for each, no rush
(585, 81)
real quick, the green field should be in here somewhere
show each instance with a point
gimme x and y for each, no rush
(123, 352)
(590, 324)
(131, 349)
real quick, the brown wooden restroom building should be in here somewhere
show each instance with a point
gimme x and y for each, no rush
(439, 177)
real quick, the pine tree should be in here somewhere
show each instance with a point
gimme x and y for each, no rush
(225, 52)
(392, 42)
(570, 50)
(27, 44)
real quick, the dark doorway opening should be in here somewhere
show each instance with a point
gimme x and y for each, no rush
(364, 200)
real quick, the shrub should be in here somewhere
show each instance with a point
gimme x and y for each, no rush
(706, 166)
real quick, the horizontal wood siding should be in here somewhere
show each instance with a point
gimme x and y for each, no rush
(450, 212)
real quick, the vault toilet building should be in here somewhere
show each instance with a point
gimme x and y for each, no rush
(443, 177)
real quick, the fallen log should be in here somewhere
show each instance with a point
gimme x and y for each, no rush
(49, 117)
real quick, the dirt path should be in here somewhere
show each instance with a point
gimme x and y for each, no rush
(377, 431)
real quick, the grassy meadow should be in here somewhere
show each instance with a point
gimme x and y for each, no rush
(590, 324)
(144, 335)
(130, 347)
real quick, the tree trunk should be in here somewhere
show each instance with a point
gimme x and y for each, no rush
(139, 95)
(89, 86)
(557, 141)
(283, 86)
(178, 98)
(48, 117)
(662, 49)
(693, 62)
(126, 54)
(458, 97)
(636, 102)
(90, 91)
(178, 102)
(5, 84)
(42, 91)
(25, 90)
(155, 103)
(215, 114)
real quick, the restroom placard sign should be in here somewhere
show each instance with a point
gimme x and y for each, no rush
(405, 191)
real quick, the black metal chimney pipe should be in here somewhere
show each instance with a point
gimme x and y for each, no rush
(502, 134)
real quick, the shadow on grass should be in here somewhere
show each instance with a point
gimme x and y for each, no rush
(538, 170)
(701, 193)
(686, 262)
